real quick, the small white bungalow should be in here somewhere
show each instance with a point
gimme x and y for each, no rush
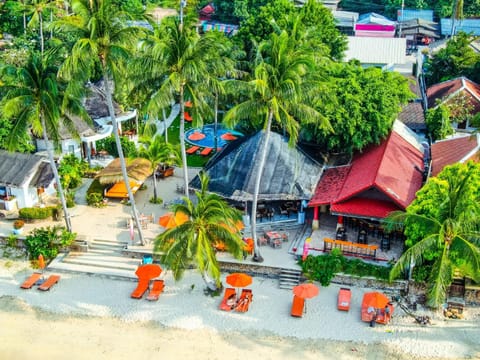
(24, 179)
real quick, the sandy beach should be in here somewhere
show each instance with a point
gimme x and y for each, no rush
(94, 317)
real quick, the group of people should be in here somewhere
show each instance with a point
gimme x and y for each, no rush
(379, 314)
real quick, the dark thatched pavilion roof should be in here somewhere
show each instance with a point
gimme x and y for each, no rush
(16, 169)
(289, 173)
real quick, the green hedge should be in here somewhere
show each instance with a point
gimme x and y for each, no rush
(38, 213)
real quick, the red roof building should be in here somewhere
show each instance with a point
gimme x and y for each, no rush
(455, 150)
(382, 179)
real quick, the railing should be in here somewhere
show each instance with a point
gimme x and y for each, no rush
(349, 248)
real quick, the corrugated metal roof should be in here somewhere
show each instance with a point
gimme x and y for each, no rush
(373, 50)
(409, 14)
(466, 25)
(17, 168)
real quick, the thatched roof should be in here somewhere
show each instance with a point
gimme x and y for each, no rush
(96, 103)
(289, 173)
(137, 169)
(17, 168)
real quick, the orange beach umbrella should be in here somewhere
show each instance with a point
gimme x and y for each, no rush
(375, 299)
(306, 291)
(228, 136)
(239, 279)
(196, 135)
(148, 271)
(170, 220)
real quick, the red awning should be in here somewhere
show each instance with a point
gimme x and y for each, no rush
(365, 208)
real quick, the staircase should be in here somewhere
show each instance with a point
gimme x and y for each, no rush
(289, 278)
(104, 257)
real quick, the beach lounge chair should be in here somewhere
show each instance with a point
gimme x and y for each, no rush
(244, 301)
(228, 293)
(142, 287)
(192, 150)
(47, 284)
(206, 151)
(156, 290)
(32, 279)
(298, 306)
(344, 298)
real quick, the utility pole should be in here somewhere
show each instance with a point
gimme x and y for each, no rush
(402, 19)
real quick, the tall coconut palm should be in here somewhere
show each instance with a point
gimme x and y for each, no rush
(36, 8)
(277, 94)
(210, 220)
(177, 63)
(157, 151)
(444, 219)
(36, 99)
(104, 40)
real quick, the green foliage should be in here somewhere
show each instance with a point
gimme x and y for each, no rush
(38, 213)
(456, 59)
(156, 201)
(94, 195)
(48, 241)
(71, 171)
(12, 241)
(323, 268)
(421, 272)
(108, 144)
(438, 122)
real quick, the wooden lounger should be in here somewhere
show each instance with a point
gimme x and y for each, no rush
(192, 150)
(244, 302)
(344, 298)
(206, 151)
(156, 290)
(32, 279)
(298, 306)
(141, 288)
(228, 293)
(47, 284)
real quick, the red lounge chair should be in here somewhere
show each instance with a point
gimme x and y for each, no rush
(244, 302)
(228, 293)
(344, 298)
(141, 288)
(206, 151)
(47, 284)
(28, 283)
(298, 306)
(193, 150)
(156, 290)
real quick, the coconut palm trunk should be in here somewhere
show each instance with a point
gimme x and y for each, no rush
(263, 158)
(182, 139)
(40, 25)
(66, 215)
(108, 95)
(215, 128)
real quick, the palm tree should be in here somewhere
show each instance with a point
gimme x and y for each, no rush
(159, 152)
(277, 93)
(105, 40)
(445, 217)
(175, 65)
(35, 98)
(36, 8)
(210, 220)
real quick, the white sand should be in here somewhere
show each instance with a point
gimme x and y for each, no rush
(186, 323)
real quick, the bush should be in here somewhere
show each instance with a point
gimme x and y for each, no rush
(158, 201)
(95, 194)
(48, 241)
(37, 213)
(70, 199)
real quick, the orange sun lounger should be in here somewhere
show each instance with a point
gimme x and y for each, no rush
(47, 284)
(243, 303)
(206, 151)
(298, 305)
(156, 290)
(192, 150)
(141, 288)
(344, 298)
(32, 279)
(228, 293)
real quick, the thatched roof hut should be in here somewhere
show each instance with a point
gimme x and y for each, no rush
(137, 169)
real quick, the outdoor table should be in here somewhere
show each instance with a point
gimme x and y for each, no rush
(274, 238)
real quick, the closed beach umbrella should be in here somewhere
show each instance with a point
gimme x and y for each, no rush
(41, 262)
(171, 220)
(306, 291)
(239, 280)
(197, 135)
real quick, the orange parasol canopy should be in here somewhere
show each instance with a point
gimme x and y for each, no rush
(170, 220)
(148, 271)
(236, 228)
(196, 135)
(41, 262)
(228, 136)
(188, 103)
(239, 279)
(306, 291)
(375, 299)
(187, 116)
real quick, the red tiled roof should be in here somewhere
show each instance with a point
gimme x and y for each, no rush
(389, 167)
(444, 90)
(451, 151)
(363, 207)
(329, 186)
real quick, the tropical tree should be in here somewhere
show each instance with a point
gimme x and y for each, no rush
(175, 66)
(159, 152)
(36, 99)
(105, 40)
(442, 227)
(210, 220)
(278, 95)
